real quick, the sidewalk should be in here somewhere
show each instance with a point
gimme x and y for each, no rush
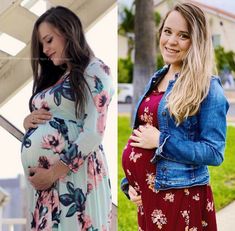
(226, 218)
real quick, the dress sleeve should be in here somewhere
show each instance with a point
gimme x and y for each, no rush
(208, 149)
(90, 138)
(125, 186)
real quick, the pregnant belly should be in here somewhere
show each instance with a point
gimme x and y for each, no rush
(133, 155)
(47, 140)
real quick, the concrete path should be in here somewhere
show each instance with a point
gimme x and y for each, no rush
(226, 218)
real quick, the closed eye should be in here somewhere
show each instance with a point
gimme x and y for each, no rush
(167, 31)
(49, 40)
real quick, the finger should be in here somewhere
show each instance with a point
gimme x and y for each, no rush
(132, 191)
(32, 170)
(137, 133)
(135, 138)
(141, 128)
(43, 111)
(136, 199)
(137, 145)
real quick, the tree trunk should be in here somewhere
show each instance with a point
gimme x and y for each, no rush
(145, 47)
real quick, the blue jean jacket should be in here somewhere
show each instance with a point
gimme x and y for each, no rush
(184, 151)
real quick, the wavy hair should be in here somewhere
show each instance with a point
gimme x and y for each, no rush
(193, 83)
(76, 50)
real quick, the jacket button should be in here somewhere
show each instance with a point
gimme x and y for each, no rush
(164, 113)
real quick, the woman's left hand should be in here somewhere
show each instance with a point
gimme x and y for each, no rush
(145, 137)
(41, 178)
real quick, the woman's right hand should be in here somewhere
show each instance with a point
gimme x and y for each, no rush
(39, 116)
(134, 197)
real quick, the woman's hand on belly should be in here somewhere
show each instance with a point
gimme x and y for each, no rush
(134, 197)
(39, 116)
(146, 137)
(43, 178)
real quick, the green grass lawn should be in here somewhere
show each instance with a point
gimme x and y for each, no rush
(222, 177)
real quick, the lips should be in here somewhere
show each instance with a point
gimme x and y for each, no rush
(172, 51)
(50, 56)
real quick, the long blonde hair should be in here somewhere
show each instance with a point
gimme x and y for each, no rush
(193, 83)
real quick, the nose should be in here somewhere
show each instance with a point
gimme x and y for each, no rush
(46, 50)
(173, 39)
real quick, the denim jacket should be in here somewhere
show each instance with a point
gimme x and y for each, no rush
(184, 151)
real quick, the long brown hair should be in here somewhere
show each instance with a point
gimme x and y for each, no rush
(193, 83)
(76, 50)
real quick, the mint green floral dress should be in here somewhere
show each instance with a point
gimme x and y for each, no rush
(80, 200)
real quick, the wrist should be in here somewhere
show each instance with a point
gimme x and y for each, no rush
(59, 170)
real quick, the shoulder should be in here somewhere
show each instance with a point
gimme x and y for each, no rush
(97, 68)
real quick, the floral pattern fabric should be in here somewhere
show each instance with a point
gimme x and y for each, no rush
(189, 209)
(80, 200)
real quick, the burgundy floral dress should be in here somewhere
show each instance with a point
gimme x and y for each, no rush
(187, 209)
(80, 200)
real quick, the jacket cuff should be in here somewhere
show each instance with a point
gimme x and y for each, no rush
(159, 151)
(125, 187)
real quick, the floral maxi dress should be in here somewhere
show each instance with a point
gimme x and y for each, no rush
(80, 200)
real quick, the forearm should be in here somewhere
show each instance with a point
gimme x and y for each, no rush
(59, 170)
(191, 152)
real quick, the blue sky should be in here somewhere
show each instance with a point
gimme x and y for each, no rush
(227, 5)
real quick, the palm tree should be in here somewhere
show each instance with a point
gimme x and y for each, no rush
(126, 27)
(145, 47)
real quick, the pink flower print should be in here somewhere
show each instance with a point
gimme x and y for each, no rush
(204, 224)
(186, 192)
(169, 197)
(43, 162)
(101, 101)
(45, 105)
(196, 197)
(134, 156)
(210, 206)
(89, 187)
(158, 218)
(185, 215)
(96, 170)
(150, 179)
(103, 228)
(101, 123)
(105, 68)
(87, 223)
(54, 142)
(76, 163)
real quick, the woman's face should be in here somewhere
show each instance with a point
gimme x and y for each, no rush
(53, 43)
(175, 40)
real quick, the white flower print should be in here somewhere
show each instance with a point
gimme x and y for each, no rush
(147, 99)
(196, 197)
(150, 179)
(134, 156)
(169, 197)
(128, 172)
(146, 109)
(159, 218)
(185, 215)
(140, 210)
(209, 206)
(186, 192)
(204, 224)
(140, 229)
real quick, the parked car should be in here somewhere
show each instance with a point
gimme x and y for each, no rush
(125, 92)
